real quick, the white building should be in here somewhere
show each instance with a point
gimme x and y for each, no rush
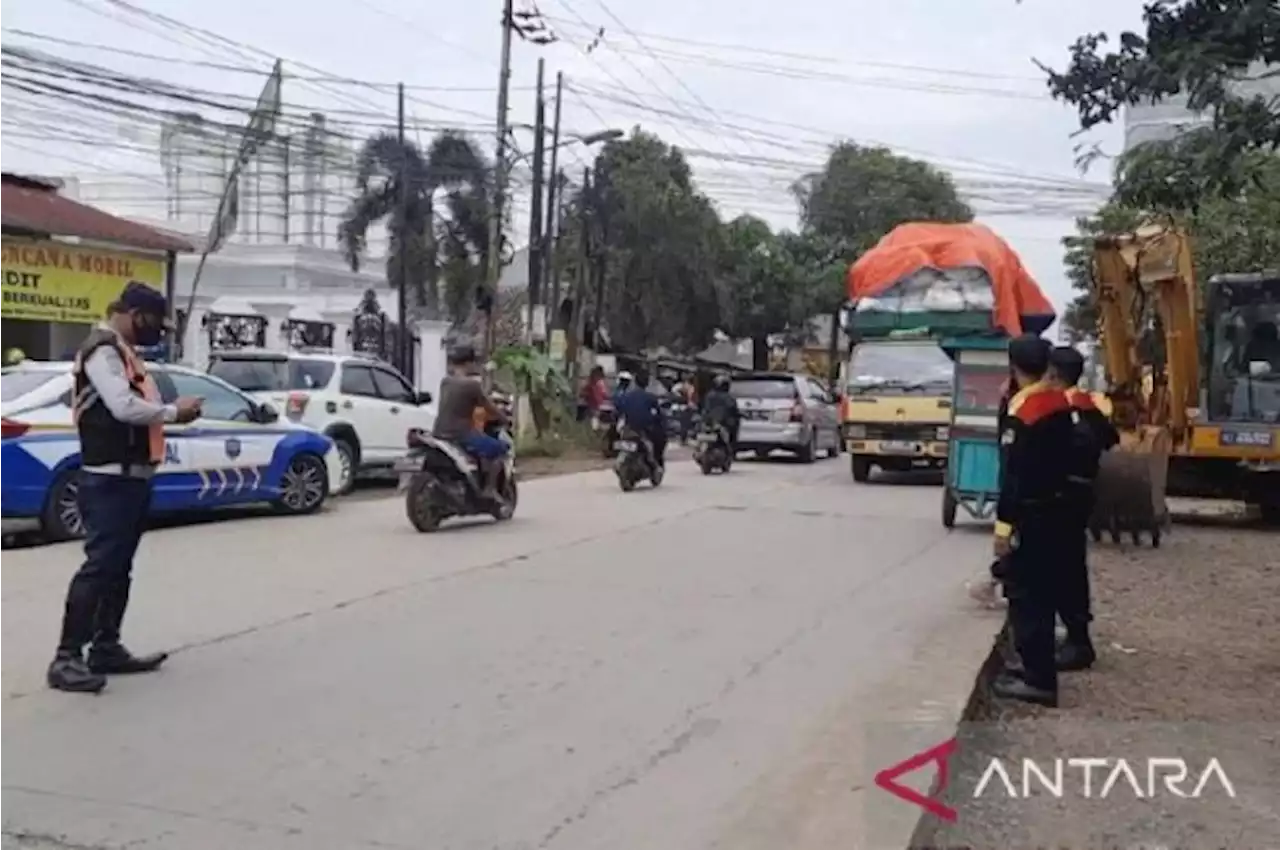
(1164, 120)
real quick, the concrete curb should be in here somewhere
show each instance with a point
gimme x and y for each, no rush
(979, 701)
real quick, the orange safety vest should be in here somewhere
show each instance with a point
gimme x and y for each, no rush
(135, 369)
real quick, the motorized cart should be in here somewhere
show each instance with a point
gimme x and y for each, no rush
(973, 450)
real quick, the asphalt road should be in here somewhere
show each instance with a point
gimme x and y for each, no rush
(702, 665)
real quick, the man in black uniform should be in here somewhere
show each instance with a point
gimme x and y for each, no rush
(120, 419)
(1093, 435)
(1031, 525)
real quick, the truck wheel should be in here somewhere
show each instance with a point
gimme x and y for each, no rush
(861, 468)
(948, 509)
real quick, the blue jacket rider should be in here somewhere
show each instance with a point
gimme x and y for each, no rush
(640, 409)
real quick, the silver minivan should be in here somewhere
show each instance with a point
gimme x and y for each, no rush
(786, 411)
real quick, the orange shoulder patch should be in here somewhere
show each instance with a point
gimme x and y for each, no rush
(1038, 405)
(1080, 399)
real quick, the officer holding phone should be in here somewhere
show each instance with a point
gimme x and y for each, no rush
(120, 419)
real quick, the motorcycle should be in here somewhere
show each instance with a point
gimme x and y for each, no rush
(635, 461)
(440, 480)
(713, 450)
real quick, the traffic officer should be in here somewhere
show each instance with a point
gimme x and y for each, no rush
(120, 420)
(1031, 526)
(1093, 435)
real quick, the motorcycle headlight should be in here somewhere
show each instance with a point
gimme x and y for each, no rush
(856, 432)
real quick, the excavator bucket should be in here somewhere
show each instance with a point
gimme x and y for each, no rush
(1129, 493)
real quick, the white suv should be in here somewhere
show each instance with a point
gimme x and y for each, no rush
(365, 405)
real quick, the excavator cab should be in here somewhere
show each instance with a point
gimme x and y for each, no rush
(1242, 357)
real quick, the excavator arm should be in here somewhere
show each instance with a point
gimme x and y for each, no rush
(1146, 279)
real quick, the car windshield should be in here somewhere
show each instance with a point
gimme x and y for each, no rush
(763, 388)
(261, 374)
(900, 367)
(19, 382)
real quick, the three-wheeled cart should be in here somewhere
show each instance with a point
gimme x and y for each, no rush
(973, 451)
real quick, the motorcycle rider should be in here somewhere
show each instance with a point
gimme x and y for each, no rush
(642, 412)
(721, 408)
(461, 394)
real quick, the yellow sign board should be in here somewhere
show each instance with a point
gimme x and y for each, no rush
(55, 282)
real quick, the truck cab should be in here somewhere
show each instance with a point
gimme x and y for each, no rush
(897, 407)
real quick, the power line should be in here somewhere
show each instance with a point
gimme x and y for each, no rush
(757, 50)
(240, 69)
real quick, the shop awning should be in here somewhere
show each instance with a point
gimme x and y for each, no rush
(34, 207)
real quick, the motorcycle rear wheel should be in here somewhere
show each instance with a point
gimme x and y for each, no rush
(510, 496)
(420, 507)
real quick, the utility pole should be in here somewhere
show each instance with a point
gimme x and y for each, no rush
(536, 236)
(493, 266)
(402, 246)
(549, 276)
(573, 335)
(599, 264)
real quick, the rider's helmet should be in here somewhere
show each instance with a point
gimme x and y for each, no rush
(721, 381)
(14, 356)
(625, 378)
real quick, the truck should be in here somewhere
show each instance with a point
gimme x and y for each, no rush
(922, 283)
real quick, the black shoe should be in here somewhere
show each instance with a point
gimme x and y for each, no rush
(1072, 657)
(115, 660)
(70, 673)
(1009, 687)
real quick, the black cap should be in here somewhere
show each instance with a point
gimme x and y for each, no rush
(143, 298)
(1068, 363)
(1029, 354)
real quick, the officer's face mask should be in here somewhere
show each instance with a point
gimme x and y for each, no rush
(148, 329)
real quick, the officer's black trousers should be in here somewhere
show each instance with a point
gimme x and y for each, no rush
(1036, 570)
(114, 508)
(1073, 594)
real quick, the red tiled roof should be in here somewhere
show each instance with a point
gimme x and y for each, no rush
(24, 205)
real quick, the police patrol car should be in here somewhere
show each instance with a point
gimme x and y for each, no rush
(237, 453)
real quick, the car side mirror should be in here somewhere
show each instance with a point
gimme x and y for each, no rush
(424, 397)
(267, 414)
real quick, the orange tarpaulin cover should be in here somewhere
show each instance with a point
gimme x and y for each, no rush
(1020, 305)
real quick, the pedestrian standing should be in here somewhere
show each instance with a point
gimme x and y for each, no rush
(1032, 525)
(120, 420)
(1093, 435)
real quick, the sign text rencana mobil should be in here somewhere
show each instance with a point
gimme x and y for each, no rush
(55, 282)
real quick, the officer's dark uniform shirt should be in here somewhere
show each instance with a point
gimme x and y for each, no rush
(1035, 465)
(1093, 435)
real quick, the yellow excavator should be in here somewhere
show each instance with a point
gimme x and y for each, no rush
(1193, 380)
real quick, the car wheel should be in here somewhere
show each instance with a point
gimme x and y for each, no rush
(304, 485)
(949, 506)
(861, 468)
(62, 519)
(347, 462)
(809, 453)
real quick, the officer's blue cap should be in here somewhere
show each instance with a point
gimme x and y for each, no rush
(145, 299)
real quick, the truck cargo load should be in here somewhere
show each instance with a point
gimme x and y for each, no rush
(948, 279)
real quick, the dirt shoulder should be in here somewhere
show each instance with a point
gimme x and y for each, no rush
(1190, 667)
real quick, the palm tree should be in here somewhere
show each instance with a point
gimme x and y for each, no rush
(452, 163)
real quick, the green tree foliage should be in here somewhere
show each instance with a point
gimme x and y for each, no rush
(864, 192)
(1197, 48)
(765, 287)
(456, 243)
(1236, 234)
(660, 237)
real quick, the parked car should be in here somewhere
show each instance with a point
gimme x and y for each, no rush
(780, 410)
(238, 453)
(363, 404)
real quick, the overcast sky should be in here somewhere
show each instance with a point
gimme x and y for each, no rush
(951, 82)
